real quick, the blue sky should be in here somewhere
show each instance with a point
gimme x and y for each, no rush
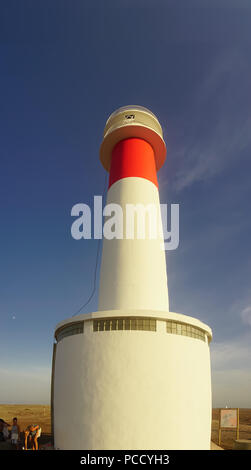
(64, 67)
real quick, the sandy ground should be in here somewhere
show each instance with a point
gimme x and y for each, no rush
(215, 446)
(40, 414)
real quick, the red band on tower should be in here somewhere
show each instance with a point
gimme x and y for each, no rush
(133, 157)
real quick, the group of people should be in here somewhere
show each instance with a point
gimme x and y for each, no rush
(13, 434)
(31, 434)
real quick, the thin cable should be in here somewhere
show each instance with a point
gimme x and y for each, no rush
(96, 264)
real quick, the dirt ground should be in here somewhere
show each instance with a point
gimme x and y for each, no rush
(40, 414)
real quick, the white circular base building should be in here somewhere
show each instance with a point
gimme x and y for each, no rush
(132, 382)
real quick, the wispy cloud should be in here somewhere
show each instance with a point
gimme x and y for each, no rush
(232, 354)
(25, 385)
(231, 374)
(231, 388)
(246, 315)
(220, 122)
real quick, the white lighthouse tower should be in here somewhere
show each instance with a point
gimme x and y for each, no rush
(132, 375)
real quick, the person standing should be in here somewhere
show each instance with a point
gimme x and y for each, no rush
(15, 433)
(4, 429)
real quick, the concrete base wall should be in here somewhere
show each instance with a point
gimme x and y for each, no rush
(132, 390)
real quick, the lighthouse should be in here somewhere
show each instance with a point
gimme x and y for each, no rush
(132, 375)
